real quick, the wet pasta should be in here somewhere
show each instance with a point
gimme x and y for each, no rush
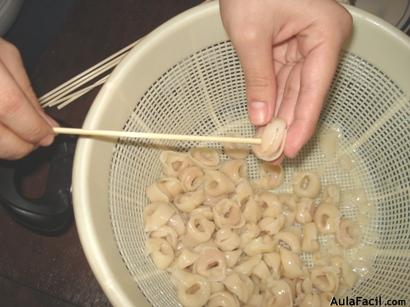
(229, 241)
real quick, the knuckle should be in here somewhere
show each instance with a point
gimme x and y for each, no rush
(344, 22)
(9, 48)
(348, 21)
(247, 35)
(257, 81)
(36, 134)
(291, 92)
(28, 89)
(10, 103)
(306, 89)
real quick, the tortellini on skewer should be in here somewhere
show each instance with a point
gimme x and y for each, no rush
(273, 137)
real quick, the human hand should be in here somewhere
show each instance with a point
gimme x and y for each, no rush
(23, 124)
(289, 52)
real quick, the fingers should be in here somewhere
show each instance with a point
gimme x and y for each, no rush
(11, 146)
(11, 59)
(257, 65)
(10, 56)
(316, 77)
(19, 115)
(287, 102)
(250, 30)
(255, 54)
(320, 46)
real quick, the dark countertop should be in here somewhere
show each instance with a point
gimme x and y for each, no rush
(36, 270)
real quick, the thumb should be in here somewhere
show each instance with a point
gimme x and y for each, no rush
(257, 62)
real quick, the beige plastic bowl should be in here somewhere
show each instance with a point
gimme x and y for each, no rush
(184, 77)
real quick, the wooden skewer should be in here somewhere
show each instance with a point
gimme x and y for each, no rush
(157, 136)
(79, 79)
(61, 103)
(51, 100)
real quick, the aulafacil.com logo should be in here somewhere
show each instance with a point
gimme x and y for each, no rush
(361, 301)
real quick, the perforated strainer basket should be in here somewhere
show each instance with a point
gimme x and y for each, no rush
(185, 78)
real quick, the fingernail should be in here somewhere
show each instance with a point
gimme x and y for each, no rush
(258, 111)
(47, 140)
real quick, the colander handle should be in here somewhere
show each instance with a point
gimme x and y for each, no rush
(52, 213)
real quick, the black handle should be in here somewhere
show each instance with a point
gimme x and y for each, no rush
(52, 213)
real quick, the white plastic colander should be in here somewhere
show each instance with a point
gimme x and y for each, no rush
(185, 78)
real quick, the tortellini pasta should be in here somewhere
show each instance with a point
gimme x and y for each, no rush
(251, 211)
(273, 137)
(232, 257)
(310, 300)
(243, 191)
(167, 233)
(192, 290)
(234, 169)
(229, 241)
(327, 218)
(185, 259)
(177, 223)
(247, 264)
(291, 263)
(173, 162)
(156, 194)
(272, 260)
(199, 229)
(157, 215)
(217, 286)
(170, 186)
(271, 176)
(206, 158)
(161, 252)
(347, 234)
(191, 178)
(289, 239)
(228, 213)
(240, 285)
(331, 195)
(304, 210)
(235, 150)
(247, 233)
(223, 299)
(217, 183)
(348, 277)
(211, 264)
(325, 279)
(310, 242)
(278, 294)
(259, 245)
(187, 202)
(272, 225)
(306, 184)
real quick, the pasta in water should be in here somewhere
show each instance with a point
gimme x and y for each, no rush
(228, 241)
(271, 176)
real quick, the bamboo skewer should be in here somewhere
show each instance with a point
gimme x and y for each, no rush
(78, 93)
(71, 97)
(58, 96)
(51, 100)
(156, 136)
